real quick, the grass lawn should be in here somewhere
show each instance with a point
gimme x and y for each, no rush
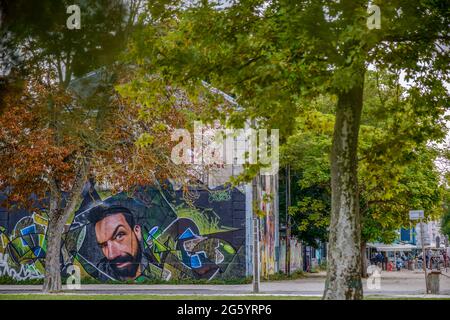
(142, 297)
(177, 297)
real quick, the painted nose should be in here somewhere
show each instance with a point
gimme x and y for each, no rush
(113, 251)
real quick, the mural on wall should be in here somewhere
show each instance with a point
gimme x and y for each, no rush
(22, 248)
(149, 234)
(267, 227)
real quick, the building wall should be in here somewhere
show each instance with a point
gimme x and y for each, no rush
(268, 225)
(431, 230)
(295, 256)
(269, 243)
(186, 233)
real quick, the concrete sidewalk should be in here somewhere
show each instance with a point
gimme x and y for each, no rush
(392, 284)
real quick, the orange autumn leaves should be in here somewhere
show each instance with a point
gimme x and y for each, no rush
(45, 131)
(28, 152)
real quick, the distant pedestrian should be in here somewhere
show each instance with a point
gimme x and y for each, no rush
(379, 258)
(385, 261)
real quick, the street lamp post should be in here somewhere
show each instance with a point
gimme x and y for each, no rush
(255, 206)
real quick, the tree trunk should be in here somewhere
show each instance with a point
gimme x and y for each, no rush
(363, 260)
(58, 216)
(52, 280)
(344, 260)
(288, 220)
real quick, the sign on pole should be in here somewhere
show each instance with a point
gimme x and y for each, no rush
(416, 214)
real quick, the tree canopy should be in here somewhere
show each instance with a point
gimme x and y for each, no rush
(274, 56)
(63, 120)
(316, 70)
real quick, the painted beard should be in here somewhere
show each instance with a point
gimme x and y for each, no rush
(128, 271)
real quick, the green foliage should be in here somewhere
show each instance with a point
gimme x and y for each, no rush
(269, 55)
(42, 23)
(8, 280)
(276, 57)
(206, 224)
(145, 140)
(396, 168)
(279, 276)
(445, 222)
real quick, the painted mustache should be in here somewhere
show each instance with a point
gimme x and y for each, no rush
(121, 260)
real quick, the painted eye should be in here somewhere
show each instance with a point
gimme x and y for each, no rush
(120, 235)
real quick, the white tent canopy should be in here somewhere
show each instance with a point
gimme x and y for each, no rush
(434, 248)
(391, 247)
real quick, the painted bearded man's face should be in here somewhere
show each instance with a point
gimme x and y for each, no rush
(120, 245)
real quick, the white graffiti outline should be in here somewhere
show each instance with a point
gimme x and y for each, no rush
(23, 274)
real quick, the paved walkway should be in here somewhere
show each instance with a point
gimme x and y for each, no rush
(404, 283)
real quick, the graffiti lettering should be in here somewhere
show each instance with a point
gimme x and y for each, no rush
(25, 272)
(218, 196)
